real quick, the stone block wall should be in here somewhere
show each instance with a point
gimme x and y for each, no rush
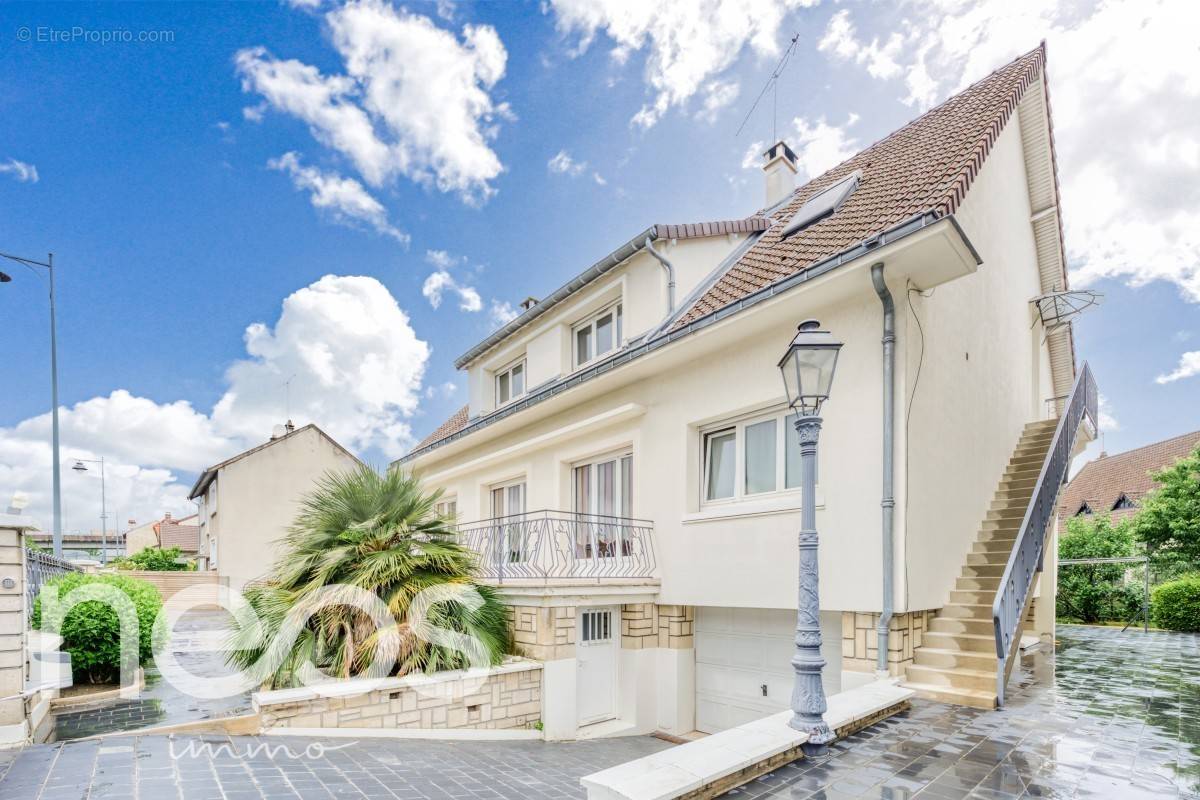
(648, 625)
(543, 633)
(860, 640)
(13, 709)
(509, 698)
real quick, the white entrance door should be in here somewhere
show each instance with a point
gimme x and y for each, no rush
(596, 653)
(743, 663)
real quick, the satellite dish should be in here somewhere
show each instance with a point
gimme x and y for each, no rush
(278, 432)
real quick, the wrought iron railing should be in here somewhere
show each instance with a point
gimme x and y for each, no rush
(39, 568)
(542, 545)
(1025, 561)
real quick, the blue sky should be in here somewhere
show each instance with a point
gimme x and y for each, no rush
(159, 174)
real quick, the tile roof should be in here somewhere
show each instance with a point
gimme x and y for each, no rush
(1102, 481)
(926, 166)
(448, 428)
(185, 537)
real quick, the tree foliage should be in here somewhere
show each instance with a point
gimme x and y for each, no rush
(156, 559)
(1176, 604)
(1169, 520)
(91, 631)
(380, 533)
(1095, 592)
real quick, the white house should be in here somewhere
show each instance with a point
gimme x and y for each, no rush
(627, 468)
(247, 502)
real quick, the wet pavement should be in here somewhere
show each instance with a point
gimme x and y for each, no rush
(1111, 715)
(197, 646)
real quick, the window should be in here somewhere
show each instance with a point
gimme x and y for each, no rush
(510, 383)
(447, 507)
(595, 626)
(510, 541)
(603, 497)
(1084, 510)
(752, 457)
(1123, 502)
(599, 335)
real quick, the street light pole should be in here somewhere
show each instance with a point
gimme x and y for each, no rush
(807, 369)
(79, 467)
(48, 264)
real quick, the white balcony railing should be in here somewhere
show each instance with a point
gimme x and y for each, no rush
(542, 545)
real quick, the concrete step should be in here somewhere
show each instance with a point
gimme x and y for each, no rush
(1004, 545)
(939, 657)
(975, 698)
(953, 610)
(970, 583)
(1019, 484)
(971, 642)
(955, 677)
(988, 558)
(982, 570)
(1012, 512)
(975, 627)
(1001, 526)
(973, 597)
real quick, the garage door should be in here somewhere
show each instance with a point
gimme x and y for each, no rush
(744, 663)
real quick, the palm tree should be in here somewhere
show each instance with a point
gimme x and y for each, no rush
(363, 530)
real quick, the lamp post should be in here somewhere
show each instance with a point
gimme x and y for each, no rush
(79, 467)
(56, 478)
(807, 370)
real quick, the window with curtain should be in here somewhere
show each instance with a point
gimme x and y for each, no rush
(603, 499)
(751, 457)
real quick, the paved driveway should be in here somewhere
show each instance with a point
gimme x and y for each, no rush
(1110, 716)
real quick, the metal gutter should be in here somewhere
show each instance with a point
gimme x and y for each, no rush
(643, 347)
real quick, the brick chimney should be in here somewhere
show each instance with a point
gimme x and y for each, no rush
(780, 168)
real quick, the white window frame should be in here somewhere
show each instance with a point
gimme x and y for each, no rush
(783, 429)
(508, 370)
(447, 503)
(618, 312)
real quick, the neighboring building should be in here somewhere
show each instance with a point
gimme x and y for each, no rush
(79, 546)
(1115, 485)
(627, 467)
(166, 532)
(247, 502)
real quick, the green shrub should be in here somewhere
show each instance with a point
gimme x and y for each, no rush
(1175, 605)
(156, 559)
(1095, 592)
(91, 630)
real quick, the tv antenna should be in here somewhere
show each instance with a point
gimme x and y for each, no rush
(772, 84)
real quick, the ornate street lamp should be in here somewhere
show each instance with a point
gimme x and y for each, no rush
(807, 369)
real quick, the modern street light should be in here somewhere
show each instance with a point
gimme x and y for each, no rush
(807, 369)
(48, 265)
(79, 467)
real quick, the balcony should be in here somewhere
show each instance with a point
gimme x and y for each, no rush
(553, 546)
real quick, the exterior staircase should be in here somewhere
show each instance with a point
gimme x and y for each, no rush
(956, 662)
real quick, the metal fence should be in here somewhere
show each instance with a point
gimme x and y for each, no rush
(40, 568)
(1026, 559)
(561, 544)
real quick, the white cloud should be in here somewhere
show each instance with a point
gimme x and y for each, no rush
(443, 390)
(1123, 74)
(20, 171)
(599, 179)
(1189, 366)
(563, 164)
(717, 95)
(344, 199)
(753, 157)
(880, 60)
(819, 145)
(690, 43)
(355, 365)
(502, 312)
(414, 100)
(440, 282)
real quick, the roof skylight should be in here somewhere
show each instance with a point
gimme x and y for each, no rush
(823, 204)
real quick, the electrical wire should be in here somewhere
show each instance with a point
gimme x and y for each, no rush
(909, 290)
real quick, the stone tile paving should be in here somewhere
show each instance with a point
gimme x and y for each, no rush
(1110, 715)
(195, 644)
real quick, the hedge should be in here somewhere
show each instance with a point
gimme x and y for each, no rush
(1175, 605)
(91, 630)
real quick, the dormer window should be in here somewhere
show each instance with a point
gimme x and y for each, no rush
(1123, 502)
(1084, 511)
(598, 335)
(510, 382)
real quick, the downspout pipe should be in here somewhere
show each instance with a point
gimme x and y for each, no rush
(670, 268)
(888, 502)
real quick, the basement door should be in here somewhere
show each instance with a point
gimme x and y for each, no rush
(744, 663)
(596, 654)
